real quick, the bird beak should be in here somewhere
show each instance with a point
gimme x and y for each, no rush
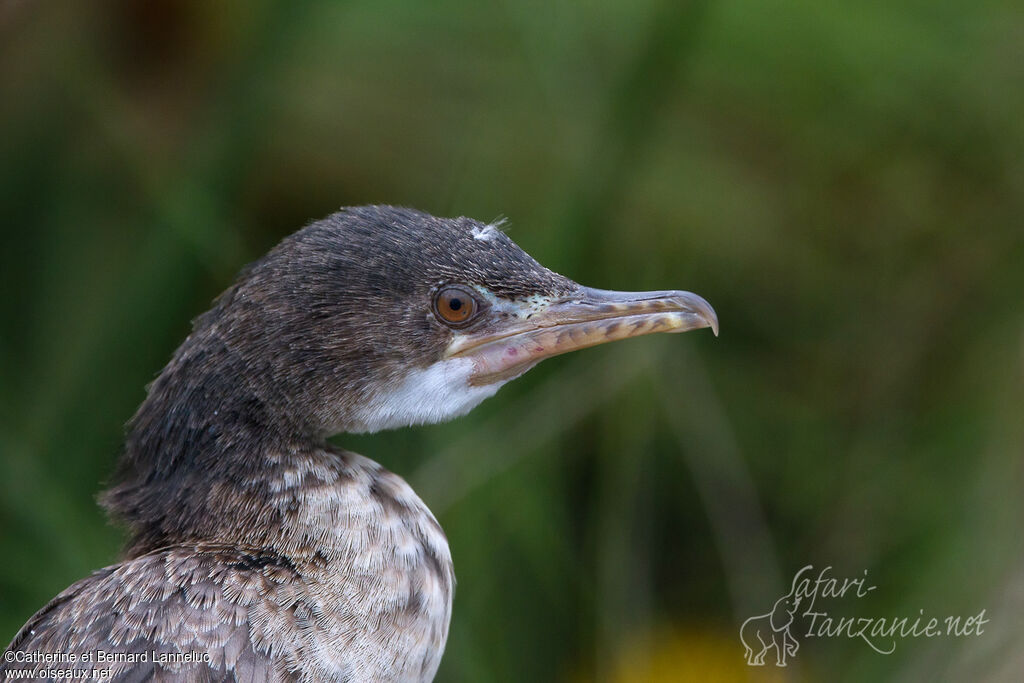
(532, 331)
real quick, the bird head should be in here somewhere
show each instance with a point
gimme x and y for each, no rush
(379, 317)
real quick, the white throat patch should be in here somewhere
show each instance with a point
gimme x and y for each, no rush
(434, 394)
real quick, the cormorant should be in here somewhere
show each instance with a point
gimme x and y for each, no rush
(258, 551)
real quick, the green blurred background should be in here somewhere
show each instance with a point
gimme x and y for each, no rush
(843, 181)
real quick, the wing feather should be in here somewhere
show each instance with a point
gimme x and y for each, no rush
(183, 613)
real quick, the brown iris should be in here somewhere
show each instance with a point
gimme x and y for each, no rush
(454, 305)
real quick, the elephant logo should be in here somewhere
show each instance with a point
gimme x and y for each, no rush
(772, 630)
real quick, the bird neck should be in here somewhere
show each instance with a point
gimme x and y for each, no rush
(203, 452)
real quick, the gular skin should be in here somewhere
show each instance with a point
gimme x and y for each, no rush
(257, 551)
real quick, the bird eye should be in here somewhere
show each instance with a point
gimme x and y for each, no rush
(455, 306)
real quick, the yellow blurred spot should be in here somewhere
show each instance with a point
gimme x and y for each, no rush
(678, 656)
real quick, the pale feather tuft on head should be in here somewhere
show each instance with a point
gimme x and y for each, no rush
(487, 232)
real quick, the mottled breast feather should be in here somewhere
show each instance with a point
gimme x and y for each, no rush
(163, 606)
(355, 584)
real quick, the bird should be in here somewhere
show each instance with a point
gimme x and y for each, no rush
(258, 550)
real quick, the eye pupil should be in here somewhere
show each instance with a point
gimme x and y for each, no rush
(455, 304)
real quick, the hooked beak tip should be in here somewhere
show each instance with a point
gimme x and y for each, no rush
(704, 310)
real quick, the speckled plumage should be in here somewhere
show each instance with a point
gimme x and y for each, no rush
(257, 551)
(253, 539)
(354, 584)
